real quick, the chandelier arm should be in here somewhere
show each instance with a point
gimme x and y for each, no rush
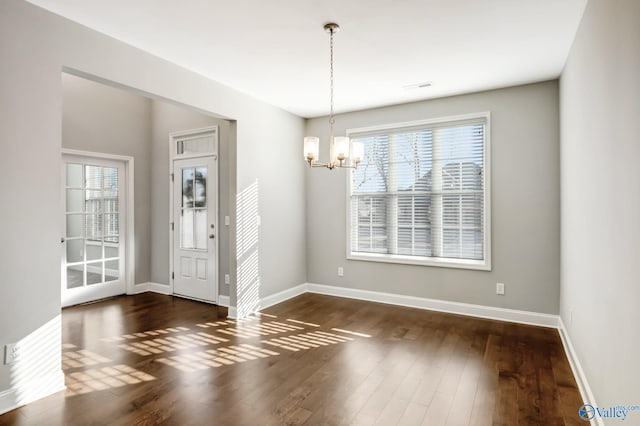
(319, 164)
(334, 165)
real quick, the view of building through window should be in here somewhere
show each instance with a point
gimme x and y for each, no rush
(420, 192)
(101, 202)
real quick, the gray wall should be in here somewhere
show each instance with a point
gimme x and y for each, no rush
(167, 118)
(600, 148)
(102, 119)
(35, 46)
(525, 206)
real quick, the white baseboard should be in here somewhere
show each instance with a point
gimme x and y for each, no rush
(159, 288)
(479, 311)
(280, 297)
(578, 372)
(41, 387)
(272, 299)
(489, 312)
(138, 288)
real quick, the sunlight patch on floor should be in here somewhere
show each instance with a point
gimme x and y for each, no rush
(144, 334)
(97, 379)
(251, 330)
(215, 324)
(303, 323)
(297, 342)
(81, 358)
(187, 352)
(212, 358)
(351, 332)
(172, 343)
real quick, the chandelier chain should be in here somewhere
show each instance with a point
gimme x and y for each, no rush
(342, 153)
(331, 120)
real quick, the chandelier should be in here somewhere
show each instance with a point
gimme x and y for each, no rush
(339, 147)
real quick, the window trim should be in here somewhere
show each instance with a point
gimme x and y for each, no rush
(480, 265)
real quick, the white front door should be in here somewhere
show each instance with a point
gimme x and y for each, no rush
(94, 220)
(195, 215)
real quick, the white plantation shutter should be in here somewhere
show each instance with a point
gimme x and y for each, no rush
(419, 192)
(101, 203)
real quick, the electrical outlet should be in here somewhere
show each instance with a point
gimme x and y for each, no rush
(500, 288)
(11, 353)
(227, 221)
(227, 279)
(340, 271)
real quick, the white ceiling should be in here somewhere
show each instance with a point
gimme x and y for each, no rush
(278, 52)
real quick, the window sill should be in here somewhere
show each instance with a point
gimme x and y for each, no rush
(479, 265)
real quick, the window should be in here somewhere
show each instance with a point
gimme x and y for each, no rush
(101, 201)
(420, 194)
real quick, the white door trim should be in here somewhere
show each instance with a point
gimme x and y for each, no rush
(173, 136)
(130, 256)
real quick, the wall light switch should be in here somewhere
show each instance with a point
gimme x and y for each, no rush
(227, 221)
(258, 220)
(227, 279)
(500, 288)
(340, 271)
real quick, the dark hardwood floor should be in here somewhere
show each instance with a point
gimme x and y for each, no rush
(153, 359)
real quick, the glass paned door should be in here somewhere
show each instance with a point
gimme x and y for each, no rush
(194, 209)
(93, 256)
(194, 239)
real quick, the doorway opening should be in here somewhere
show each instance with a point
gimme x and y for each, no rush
(105, 117)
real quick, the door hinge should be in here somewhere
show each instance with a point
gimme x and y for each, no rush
(172, 226)
(172, 176)
(173, 276)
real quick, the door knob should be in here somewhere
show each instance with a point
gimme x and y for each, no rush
(212, 236)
